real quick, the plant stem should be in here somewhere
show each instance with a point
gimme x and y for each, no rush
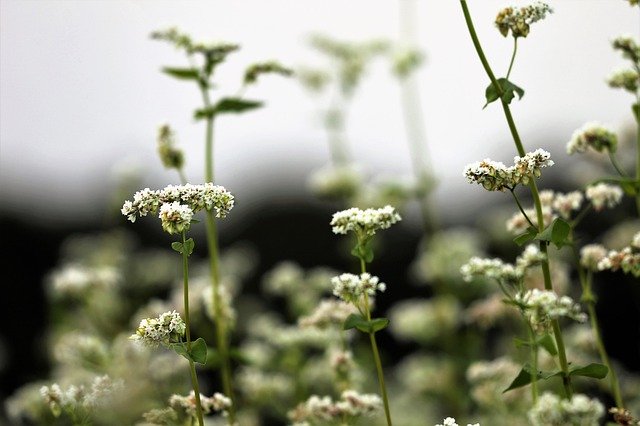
(616, 165)
(562, 356)
(376, 354)
(212, 245)
(534, 359)
(521, 209)
(513, 56)
(187, 321)
(638, 144)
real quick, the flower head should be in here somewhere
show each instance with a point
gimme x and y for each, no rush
(604, 195)
(626, 78)
(167, 328)
(628, 46)
(592, 135)
(175, 217)
(518, 20)
(591, 255)
(351, 288)
(551, 410)
(542, 306)
(364, 223)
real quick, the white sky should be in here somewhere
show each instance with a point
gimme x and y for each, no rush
(81, 91)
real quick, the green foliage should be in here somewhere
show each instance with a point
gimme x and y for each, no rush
(556, 233)
(198, 351)
(372, 326)
(506, 90)
(182, 73)
(227, 106)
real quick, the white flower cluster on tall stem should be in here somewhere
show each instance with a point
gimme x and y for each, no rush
(450, 421)
(167, 328)
(592, 135)
(216, 403)
(197, 197)
(319, 410)
(554, 204)
(604, 195)
(351, 288)
(543, 306)
(175, 217)
(580, 410)
(565, 204)
(495, 176)
(518, 20)
(364, 223)
(501, 271)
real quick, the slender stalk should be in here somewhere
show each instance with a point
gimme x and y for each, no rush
(534, 359)
(183, 177)
(616, 165)
(376, 353)
(513, 56)
(638, 145)
(413, 119)
(562, 356)
(521, 209)
(212, 245)
(192, 368)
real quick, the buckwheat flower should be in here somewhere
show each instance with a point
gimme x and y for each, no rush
(419, 373)
(531, 256)
(323, 409)
(175, 217)
(351, 288)
(580, 410)
(75, 280)
(564, 204)
(364, 223)
(103, 389)
(626, 78)
(592, 135)
(216, 403)
(626, 259)
(485, 313)
(622, 416)
(547, 197)
(161, 416)
(144, 202)
(491, 269)
(604, 195)
(488, 380)
(517, 223)
(405, 61)
(77, 348)
(450, 421)
(216, 197)
(329, 312)
(591, 255)
(518, 20)
(492, 175)
(542, 306)
(171, 157)
(628, 46)
(530, 165)
(167, 328)
(263, 386)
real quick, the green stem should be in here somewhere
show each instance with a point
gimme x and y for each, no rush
(534, 360)
(566, 379)
(521, 209)
(183, 177)
(513, 56)
(212, 245)
(638, 145)
(187, 321)
(616, 165)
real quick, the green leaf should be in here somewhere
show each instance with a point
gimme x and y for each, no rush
(548, 344)
(594, 370)
(182, 73)
(556, 233)
(353, 321)
(378, 324)
(520, 343)
(188, 246)
(509, 91)
(524, 377)
(363, 251)
(199, 351)
(235, 105)
(180, 349)
(203, 113)
(177, 246)
(522, 239)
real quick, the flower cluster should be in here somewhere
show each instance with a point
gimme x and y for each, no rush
(364, 223)
(554, 204)
(167, 328)
(551, 410)
(323, 409)
(604, 195)
(518, 20)
(175, 217)
(625, 78)
(491, 269)
(542, 306)
(351, 288)
(627, 259)
(75, 280)
(591, 255)
(488, 379)
(495, 176)
(592, 135)
(216, 51)
(217, 402)
(329, 312)
(171, 157)
(565, 204)
(422, 320)
(628, 46)
(450, 421)
(78, 397)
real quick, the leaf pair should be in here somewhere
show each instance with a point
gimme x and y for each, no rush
(186, 247)
(507, 88)
(366, 326)
(556, 233)
(227, 106)
(198, 351)
(593, 370)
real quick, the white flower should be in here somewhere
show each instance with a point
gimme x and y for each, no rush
(564, 204)
(215, 403)
(602, 195)
(492, 269)
(592, 135)
(591, 255)
(517, 224)
(518, 20)
(625, 78)
(625, 259)
(542, 306)
(450, 421)
(167, 328)
(364, 223)
(551, 410)
(175, 217)
(351, 288)
(329, 312)
(636, 240)
(351, 405)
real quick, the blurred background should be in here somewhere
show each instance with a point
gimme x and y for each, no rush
(82, 96)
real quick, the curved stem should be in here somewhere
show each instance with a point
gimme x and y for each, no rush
(616, 165)
(566, 379)
(187, 321)
(521, 209)
(212, 245)
(513, 56)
